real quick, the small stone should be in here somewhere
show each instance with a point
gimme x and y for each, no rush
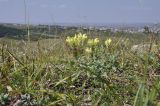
(18, 103)
(9, 88)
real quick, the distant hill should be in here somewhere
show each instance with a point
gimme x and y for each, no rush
(18, 31)
(10, 31)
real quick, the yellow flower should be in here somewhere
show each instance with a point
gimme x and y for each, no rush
(108, 42)
(84, 36)
(81, 37)
(70, 40)
(77, 40)
(88, 50)
(93, 42)
(96, 41)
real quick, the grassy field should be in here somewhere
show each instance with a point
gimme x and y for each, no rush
(80, 71)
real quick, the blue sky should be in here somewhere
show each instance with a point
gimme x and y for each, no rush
(81, 11)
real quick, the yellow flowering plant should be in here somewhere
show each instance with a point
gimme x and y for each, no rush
(76, 43)
(88, 50)
(93, 42)
(108, 42)
(76, 40)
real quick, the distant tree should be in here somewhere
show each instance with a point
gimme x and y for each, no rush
(146, 30)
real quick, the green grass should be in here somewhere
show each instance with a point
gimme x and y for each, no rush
(46, 72)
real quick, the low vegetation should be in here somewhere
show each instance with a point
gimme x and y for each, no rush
(80, 70)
